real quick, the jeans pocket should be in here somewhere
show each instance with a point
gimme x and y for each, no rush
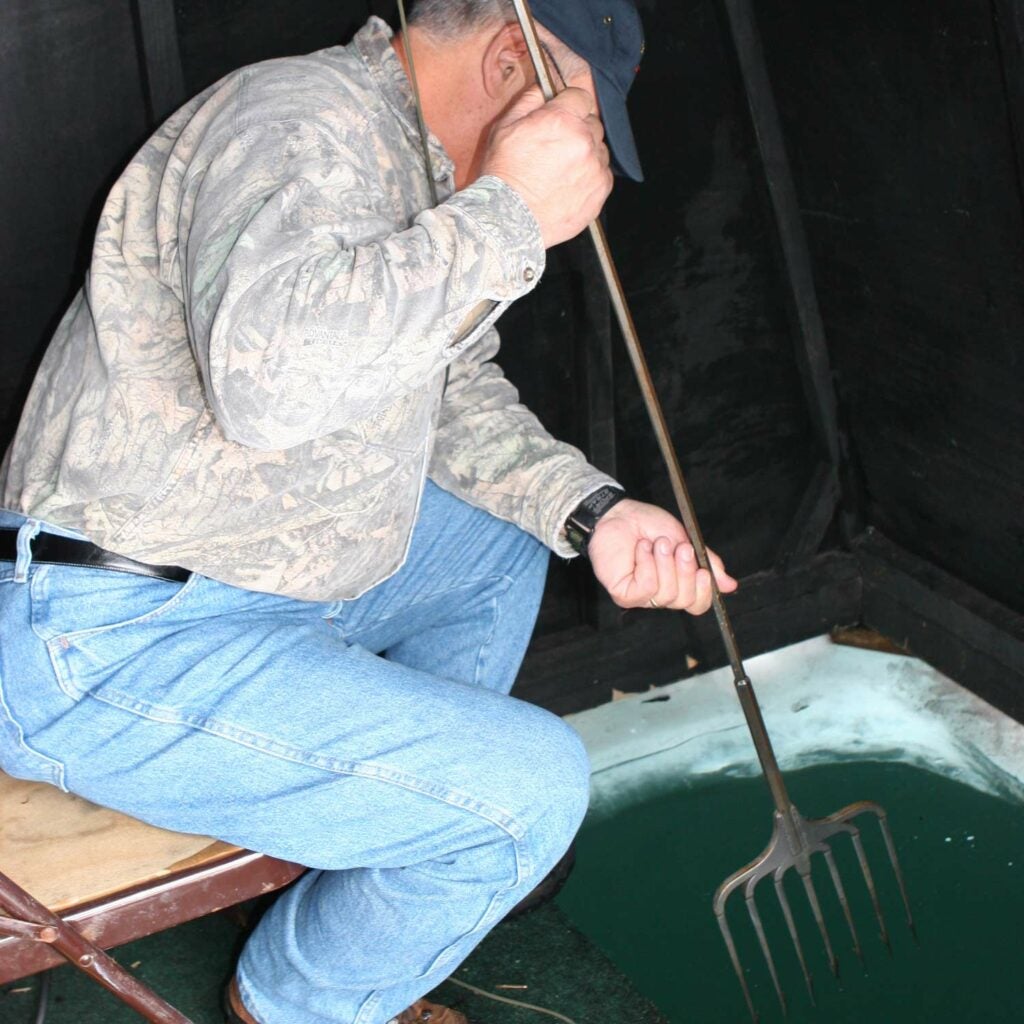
(73, 607)
(17, 755)
(24, 674)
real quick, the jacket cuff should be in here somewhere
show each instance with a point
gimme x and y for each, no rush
(511, 232)
(564, 496)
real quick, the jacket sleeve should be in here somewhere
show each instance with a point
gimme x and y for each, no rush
(307, 310)
(493, 452)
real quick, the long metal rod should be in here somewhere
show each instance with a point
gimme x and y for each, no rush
(421, 124)
(744, 689)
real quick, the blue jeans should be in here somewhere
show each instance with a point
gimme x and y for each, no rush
(371, 739)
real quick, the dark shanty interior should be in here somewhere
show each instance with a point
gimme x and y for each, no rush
(824, 263)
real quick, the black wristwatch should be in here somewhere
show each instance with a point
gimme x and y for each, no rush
(579, 527)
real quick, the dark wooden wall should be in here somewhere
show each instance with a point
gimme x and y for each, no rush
(696, 244)
(73, 111)
(887, 250)
(903, 123)
(903, 148)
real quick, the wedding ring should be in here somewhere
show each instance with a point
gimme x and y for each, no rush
(653, 603)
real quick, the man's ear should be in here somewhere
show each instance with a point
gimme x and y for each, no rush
(506, 63)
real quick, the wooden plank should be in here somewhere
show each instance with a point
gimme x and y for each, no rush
(1009, 21)
(813, 517)
(934, 642)
(383, 9)
(163, 79)
(942, 598)
(812, 353)
(72, 113)
(914, 222)
(865, 639)
(971, 638)
(578, 669)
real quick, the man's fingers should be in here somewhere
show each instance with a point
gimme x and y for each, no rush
(725, 582)
(686, 575)
(645, 571)
(596, 126)
(531, 99)
(553, 154)
(665, 573)
(694, 592)
(668, 585)
(574, 101)
(603, 154)
(683, 585)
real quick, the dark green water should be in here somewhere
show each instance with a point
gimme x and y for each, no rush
(645, 877)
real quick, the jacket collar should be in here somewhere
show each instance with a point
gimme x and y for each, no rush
(373, 43)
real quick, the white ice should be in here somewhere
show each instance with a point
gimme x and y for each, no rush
(822, 703)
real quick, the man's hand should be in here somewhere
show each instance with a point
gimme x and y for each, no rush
(553, 154)
(641, 553)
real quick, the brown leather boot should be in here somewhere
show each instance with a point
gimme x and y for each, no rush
(234, 1009)
(421, 1012)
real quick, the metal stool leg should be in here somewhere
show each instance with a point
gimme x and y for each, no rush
(28, 918)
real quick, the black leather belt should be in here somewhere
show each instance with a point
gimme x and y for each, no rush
(53, 550)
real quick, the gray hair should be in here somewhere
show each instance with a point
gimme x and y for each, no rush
(449, 19)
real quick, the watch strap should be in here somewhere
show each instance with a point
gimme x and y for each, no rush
(581, 522)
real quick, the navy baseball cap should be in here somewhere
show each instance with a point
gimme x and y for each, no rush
(608, 35)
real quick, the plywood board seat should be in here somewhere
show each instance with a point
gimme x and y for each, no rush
(77, 879)
(68, 852)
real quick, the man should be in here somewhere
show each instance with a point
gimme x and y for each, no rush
(276, 525)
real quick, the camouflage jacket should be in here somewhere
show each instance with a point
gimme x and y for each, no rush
(251, 383)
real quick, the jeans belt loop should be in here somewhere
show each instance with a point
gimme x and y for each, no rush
(28, 531)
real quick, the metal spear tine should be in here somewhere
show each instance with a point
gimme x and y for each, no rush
(762, 939)
(737, 967)
(819, 918)
(795, 839)
(837, 884)
(870, 807)
(787, 913)
(869, 881)
(890, 847)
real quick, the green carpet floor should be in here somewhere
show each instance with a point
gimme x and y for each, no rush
(560, 968)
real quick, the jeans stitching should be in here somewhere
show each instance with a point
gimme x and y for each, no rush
(487, 920)
(84, 634)
(54, 645)
(332, 618)
(497, 816)
(370, 1003)
(56, 767)
(482, 651)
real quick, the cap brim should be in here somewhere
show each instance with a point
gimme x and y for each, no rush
(617, 130)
